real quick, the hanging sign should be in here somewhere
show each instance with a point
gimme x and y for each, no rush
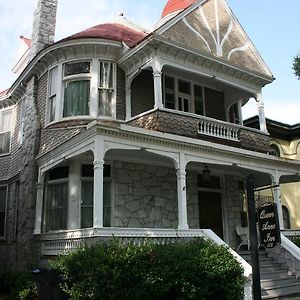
(268, 225)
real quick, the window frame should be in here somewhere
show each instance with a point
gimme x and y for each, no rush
(178, 94)
(11, 109)
(52, 182)
(2, 237)
(52, 95)
(66, 79)
(111, 90)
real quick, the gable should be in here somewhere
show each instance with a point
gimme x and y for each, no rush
(210, 26)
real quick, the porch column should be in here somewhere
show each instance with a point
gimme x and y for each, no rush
(261, 112)
(157, 76)
(277, 200)
(74, 196)
(181, 190)
(240, 115)
(39, 205)
(128, 100)
(98, 183)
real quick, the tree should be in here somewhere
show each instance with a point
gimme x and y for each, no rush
(296, 66)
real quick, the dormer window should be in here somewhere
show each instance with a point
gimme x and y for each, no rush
(83, 88)
(76, 89)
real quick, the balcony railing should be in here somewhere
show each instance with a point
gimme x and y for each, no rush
(201, 127)
(218, 130)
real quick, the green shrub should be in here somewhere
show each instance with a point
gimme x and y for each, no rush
(296, 240)
(185, 270)
(18, 285)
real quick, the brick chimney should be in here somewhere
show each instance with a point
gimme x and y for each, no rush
(43, 26)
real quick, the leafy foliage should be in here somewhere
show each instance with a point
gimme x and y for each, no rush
(185, 270)
(296, 66)
(18, 285)
(296, 240)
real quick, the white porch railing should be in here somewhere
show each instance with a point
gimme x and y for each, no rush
(56, 243)
(219, 130)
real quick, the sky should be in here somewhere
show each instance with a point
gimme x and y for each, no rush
(272, 25)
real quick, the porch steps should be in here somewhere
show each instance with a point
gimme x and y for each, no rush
(276, 283)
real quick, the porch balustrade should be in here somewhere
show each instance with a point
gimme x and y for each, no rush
(218, 130)
(64, 241)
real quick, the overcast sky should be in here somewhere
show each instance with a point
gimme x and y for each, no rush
(272, 25)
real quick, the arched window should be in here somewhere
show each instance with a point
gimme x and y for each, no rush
(286, 217)
(274, 150)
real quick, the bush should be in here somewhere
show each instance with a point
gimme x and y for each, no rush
(296, 240)
(185, 270)
(18, 285)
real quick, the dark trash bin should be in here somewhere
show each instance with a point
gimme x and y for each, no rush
(48, 281)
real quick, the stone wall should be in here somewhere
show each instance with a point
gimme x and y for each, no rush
(192, 200)
(145, 196)
(28, 177)
(234, 193)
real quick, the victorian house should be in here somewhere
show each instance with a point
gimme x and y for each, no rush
(119, 131)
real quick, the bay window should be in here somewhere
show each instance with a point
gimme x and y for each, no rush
(5, 130)
(3, 197)
(81, 88)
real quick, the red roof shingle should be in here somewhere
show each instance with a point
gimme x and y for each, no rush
(110, 31)
(176, 5)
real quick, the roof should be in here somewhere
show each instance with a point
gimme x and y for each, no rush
(26, 40)
(3, 93)
(276, 129)
(176, 5)
(119, 29)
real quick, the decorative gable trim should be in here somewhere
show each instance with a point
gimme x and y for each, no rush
(214, 41)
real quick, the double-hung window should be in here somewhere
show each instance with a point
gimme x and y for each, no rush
(56, 206)
(5, 130)
(52, 90)
(106, 89)
(76, 77)
(3, 197)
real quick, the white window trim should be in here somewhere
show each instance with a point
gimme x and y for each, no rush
(11, 128)
(3, 237)
(94, 77)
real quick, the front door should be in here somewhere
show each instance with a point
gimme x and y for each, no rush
(210, 212)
